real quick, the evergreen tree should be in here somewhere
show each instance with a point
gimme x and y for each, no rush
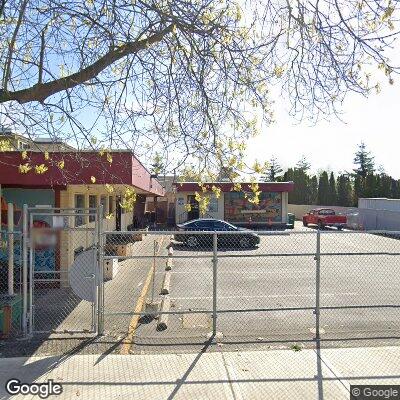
(288, 177)
(274, 170)
(313, 190)
(364, 161)
(386, 186)
(332, 193)
(370, 188)
(301, 182)
(323, 189)
(303, 164)
(395, 189)
(157, 166)
(300, 193)
(358, 189)
(344, 191)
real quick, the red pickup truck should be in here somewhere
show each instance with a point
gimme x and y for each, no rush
(324, 217)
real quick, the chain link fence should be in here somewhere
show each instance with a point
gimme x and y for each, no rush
(175, 289)
(10, 283)
(57, 265)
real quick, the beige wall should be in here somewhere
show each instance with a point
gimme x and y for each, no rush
(82, 235)
(182, 214)
(285, 199)
(300, 209)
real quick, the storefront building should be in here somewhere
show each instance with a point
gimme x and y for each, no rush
(86, 180)
(234, 206)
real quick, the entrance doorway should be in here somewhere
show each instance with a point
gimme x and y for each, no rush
(118, 213)
(194, 207)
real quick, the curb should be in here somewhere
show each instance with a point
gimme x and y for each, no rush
(168, 264)
(163, 318)
(166, 283)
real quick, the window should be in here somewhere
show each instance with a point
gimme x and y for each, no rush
(326, 212)
(110, 204)
(103, 202)
(23, 145)
(213, 205)
(79, 203)
(92, 204)
(223, 226)
(205, 225)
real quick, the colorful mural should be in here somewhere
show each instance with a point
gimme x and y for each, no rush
(44, 254)
(237, 207)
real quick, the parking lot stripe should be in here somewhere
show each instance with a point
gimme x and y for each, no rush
(127, 346)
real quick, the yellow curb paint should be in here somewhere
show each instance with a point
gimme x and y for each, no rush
(128, 342)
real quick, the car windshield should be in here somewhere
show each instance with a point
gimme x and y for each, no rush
(326, 212)
(204, 224)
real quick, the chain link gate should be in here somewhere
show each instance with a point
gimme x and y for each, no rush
(61, 270)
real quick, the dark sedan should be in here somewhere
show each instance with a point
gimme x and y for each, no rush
(243, 238)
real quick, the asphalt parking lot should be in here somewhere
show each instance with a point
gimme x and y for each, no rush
(358, 290)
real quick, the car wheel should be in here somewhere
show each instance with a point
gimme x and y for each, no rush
(305, 222)
(320, 225)
(245, 242)
(339, 228)
(192, 241)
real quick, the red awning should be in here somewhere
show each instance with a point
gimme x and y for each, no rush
(78, 168)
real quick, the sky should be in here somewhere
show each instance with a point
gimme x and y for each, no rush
(331, 145)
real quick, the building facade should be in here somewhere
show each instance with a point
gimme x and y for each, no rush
(234, 206)
(86, 180)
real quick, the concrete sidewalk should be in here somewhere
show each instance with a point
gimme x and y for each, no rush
(271, 374)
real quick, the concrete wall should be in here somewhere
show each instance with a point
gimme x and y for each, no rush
(300, 209)
(366, 219)
(380, 204)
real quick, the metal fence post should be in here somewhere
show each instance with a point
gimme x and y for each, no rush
(154, 271)
(100, 280)
(31, 275)
(10, 223)
(317, 283)
(96, 243)
(25, 270)
(215, 262)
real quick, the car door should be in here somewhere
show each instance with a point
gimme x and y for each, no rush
(224, 239)
(311, 217)
(205, 225)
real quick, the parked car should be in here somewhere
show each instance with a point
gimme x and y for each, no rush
(243, 239)
(323, 217)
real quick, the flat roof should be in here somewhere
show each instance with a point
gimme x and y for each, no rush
(229, 186)
(79, 167)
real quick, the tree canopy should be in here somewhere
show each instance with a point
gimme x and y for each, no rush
(273, 170)
(363, 161)
(184, 79)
